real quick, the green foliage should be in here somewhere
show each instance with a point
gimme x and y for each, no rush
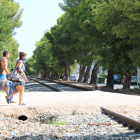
(11, 45)
(10, 15)
(9, 18)
(74, 67)
(119, 18)
(106, 31)
(30, 64)
(103, 75)
(43, 57)
(135, 56)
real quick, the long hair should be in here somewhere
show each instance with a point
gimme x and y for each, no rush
(21, 54)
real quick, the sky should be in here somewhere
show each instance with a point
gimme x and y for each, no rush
(38, 16)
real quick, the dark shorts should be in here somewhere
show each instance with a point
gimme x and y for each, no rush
(4, 83)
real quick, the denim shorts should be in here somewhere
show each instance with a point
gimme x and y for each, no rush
(20, 83)
(15, 84)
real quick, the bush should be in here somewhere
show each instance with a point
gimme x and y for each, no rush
(103, 75)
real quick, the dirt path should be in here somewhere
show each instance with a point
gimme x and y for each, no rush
(66, 102)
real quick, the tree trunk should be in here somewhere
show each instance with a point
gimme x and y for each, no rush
(128, 74)
(66, 70)
(44, 76)
(36, 73)
(110, 79)
(69, 71)
(68, 78)
(61, 76)
(48, 74)
(87, 74)
(80, 68)
(127, 82)
(52, 76)
(82, 74)
(94, 75)
(57, 76)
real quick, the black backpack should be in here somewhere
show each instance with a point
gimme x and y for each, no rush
(0, 66)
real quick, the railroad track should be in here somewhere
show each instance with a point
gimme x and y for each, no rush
(71, 85)
(59, 86)
(130, 126)
(32, 86)
(45, 84)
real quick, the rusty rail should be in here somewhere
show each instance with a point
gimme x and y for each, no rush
(127, 120)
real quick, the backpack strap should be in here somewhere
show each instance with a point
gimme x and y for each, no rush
(2, 59)
(18, 61)
(0, 65)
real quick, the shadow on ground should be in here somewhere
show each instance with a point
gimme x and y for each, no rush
(88, 137)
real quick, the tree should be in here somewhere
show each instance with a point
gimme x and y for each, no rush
(11, 45)
(81, 33)
(10, 15)
(30, 71)
(129, 27)
(41, 55)
(9, 19)
(106, 20)
(99, 30)
(63, 46)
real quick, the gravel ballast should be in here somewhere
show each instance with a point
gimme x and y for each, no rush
(58, 86)
(75, 127)
(88, 123)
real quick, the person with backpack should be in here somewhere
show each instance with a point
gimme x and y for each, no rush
(18, 87)
(11, 83)
(4, 84)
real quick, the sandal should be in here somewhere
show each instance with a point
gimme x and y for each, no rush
(13, 102)
(22, 104)
(7, 100)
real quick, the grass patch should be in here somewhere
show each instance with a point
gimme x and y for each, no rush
(74, 112)
(59, 123)
(7, 126)
(55, 122)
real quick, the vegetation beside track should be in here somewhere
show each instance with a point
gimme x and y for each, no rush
(106, 32)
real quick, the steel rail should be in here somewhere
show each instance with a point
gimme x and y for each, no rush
(74, 86)
(55, 89)
(127, 120)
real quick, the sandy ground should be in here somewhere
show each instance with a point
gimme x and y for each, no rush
(66, 102)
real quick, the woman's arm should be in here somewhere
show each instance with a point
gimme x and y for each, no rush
(19, 65)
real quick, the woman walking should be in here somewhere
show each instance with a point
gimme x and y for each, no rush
(18, 87)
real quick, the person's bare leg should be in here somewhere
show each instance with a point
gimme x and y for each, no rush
(13, 93)
(21, 95)
(7, 90)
